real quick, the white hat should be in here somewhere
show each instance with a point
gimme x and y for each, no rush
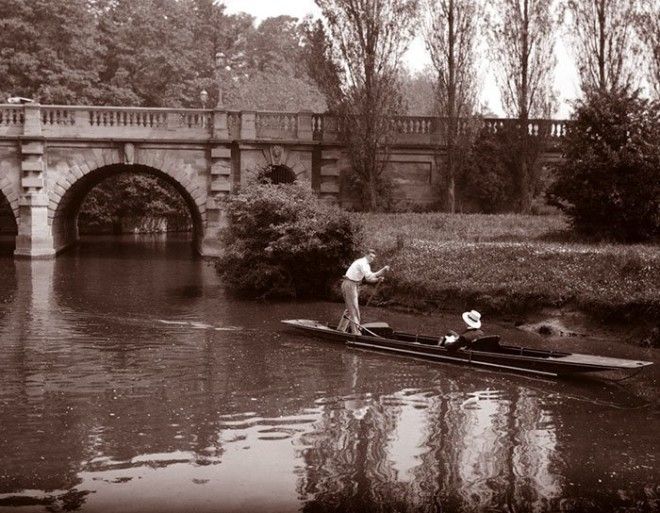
(472, 319)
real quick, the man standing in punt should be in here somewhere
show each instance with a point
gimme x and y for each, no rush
(350, 288)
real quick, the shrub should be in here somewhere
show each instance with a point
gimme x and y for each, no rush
(488, 180)
(609, 182)
(503, 172)
(281, 241)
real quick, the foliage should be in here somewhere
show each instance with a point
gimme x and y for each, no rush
(147, 51)
(156, 53)
(276, 75)
(521, 40)
(281, 241)
(609, 180)
(135, 195)
(602, 32)
(7, 219)
(647, 23)
(276, 89)
(370, 39)
(418, 92)
(489, 165)
(450, 32)
(320, 61)
(48, 50)
(488, 180)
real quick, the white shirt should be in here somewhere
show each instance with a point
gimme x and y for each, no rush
(360, 269)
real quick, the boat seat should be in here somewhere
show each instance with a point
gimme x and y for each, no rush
(379, 328)
(487, 343)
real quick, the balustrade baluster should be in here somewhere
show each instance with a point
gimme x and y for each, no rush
(270, 124)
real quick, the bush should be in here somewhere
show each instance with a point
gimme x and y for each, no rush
(503, 173)
(609, 182)
(281, 241)
(488, 181)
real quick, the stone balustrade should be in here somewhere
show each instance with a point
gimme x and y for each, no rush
(274, 125)
(12, 119)
(90, 122)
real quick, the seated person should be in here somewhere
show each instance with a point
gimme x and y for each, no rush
(453, 341)
(473, 331)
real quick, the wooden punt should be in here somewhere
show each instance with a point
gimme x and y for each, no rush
(485, 352)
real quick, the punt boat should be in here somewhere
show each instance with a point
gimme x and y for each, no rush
(487, 351)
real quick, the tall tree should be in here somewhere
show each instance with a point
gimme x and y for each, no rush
(450, 32)
(148, 52)
(320, 60)
(521, 37)
(604, 40)
(49, 50)
(370, 36)
(275, 75)
(647, 22)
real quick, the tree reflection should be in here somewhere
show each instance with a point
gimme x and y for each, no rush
(479, 452)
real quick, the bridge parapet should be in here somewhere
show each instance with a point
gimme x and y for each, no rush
(12, 119)
(91, 122)
(427, 130)
(83, 122)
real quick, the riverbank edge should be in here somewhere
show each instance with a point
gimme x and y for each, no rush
(635, 322)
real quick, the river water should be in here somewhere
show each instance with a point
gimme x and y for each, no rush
(130, 382)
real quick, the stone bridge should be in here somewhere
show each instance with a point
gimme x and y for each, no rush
(52, 156)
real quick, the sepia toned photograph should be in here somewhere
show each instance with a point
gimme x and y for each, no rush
(329, 256)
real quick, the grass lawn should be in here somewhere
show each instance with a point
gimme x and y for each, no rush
(511, 263)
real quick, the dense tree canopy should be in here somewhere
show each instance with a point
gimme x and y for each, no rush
(156, 53)
(49, 50)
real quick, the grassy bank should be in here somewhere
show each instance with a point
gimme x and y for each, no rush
(511, 263)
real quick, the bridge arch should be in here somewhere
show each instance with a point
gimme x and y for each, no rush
(9, 195)
(8, 223)
(73, 186)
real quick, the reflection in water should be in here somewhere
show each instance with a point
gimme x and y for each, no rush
(129, 382)
(382, 453)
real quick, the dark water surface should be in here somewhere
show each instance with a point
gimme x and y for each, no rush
(130, 382)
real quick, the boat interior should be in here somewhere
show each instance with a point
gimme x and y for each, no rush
(488, 343)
